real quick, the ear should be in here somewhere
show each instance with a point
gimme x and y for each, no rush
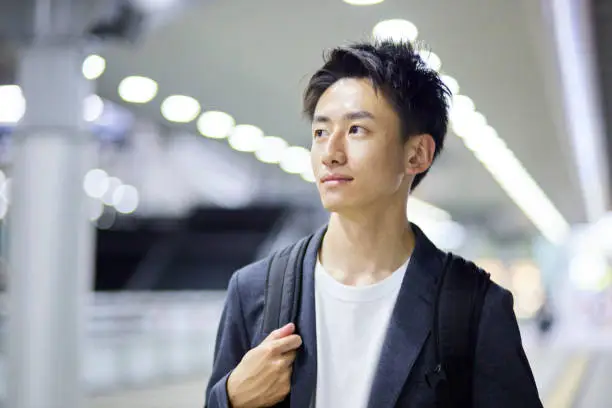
(418, 153)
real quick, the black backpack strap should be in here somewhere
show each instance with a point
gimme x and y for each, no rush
(284, 286)
(461, 292)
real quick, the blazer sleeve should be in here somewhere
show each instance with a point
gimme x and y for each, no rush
(502, 377)
(231, 345)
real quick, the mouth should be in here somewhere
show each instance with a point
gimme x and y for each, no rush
(335, 179)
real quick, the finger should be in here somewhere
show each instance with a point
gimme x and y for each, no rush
(289, 343)
(279, 333)
(288, 358)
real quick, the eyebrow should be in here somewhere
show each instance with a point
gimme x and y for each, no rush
(348, 116)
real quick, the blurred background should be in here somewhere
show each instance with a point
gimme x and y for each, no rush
(149, 148)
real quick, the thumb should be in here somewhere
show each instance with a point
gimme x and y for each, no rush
(279, 333)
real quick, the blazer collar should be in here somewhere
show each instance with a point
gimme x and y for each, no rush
(409, 326)
(410, 323)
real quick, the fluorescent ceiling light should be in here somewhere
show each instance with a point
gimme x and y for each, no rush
(180, 108)
(93, 66)
(396, 30)
(271, 149)
(514, 179)
(156, 5)
(215, 124)
(246, 138)
(113, 184)
(92, 108)
(3, 208)
(469, 123)
(295, 160)
(461, 104)
(5, 190)
(12, 104)
(451, 83)
(431, 59)
(95, 208)
(417, 208)
(96, 183)
(125, 199)
(137, 89)
(308, 175)
(363, 2)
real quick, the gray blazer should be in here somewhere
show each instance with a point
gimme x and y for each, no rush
(502, 377)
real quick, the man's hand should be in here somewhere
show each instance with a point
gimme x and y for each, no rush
(263, 377)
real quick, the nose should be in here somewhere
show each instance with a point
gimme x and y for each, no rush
(334, 154)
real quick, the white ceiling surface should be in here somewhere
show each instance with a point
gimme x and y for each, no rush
(252, 60)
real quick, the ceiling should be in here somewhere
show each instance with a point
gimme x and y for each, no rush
(252, 59)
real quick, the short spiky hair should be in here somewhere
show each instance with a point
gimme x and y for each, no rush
(416, 92)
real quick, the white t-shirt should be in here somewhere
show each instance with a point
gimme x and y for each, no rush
(351, 326)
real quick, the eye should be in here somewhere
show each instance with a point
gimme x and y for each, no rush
(356, 129)
(318, 133)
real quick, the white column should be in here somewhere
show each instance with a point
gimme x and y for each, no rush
(50, 239)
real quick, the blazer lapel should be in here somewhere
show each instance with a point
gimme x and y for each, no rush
(304, 375)
(410, 323)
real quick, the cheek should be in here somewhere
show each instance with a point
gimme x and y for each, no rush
(314, 160)
(386, 164)
(384, 172)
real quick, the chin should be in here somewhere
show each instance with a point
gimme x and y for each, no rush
(335, 204)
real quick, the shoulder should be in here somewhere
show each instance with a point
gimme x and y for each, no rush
(497, 301)
(495, 293)
(249, 280)
(498, 306)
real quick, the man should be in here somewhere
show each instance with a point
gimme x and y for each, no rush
(379, 118)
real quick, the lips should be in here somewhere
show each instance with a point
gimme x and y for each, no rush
(337, 178)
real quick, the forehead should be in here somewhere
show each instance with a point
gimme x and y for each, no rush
(353, 94)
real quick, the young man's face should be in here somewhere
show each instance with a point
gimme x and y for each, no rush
(358, 156)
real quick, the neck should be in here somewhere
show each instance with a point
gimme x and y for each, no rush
(369, 246)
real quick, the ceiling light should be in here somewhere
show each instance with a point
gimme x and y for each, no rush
(271, 149)
(12, 104)
(308, 175)
(363, 2)
(295, 160)
(431, 59)
(5, 190)
(95, 208)
(420, 209)
(93, 66)
(137, 89)
(215, 124)
(180, 108)
(395, 30)
(461, 104)
(3, 209)
(96, 183)
(527, 195)
(125, 199)
(246, 138)
(92, 108)
(468, 123)
(156, 5)
(516, 181)
(113, 185)
(451, 83)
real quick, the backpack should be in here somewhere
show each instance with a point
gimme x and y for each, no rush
(459, 300)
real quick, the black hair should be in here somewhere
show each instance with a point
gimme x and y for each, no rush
(415, 91)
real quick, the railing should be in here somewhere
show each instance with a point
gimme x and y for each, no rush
(137, 339)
